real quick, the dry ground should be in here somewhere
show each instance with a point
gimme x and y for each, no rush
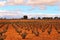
(13, 35)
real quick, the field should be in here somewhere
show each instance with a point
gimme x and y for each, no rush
(30, 29)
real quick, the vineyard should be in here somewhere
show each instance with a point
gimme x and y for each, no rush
(29, 29)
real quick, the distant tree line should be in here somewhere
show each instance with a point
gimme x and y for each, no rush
(26, 17)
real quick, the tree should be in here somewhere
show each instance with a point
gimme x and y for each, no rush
(25, 17)
(47, 18)
(56, 17)
(32, 18)
(39, 18)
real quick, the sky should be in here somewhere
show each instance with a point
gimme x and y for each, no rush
(32, 8)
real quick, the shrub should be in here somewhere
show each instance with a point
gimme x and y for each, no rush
(36, 33)
(2, 37)
(24, 35)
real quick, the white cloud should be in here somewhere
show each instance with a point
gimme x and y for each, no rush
(19, 14)
(11, 13)
(35, 15)
(15, 2)
(2, 3)
(40, 3)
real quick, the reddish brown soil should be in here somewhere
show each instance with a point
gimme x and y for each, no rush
(13, 35)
